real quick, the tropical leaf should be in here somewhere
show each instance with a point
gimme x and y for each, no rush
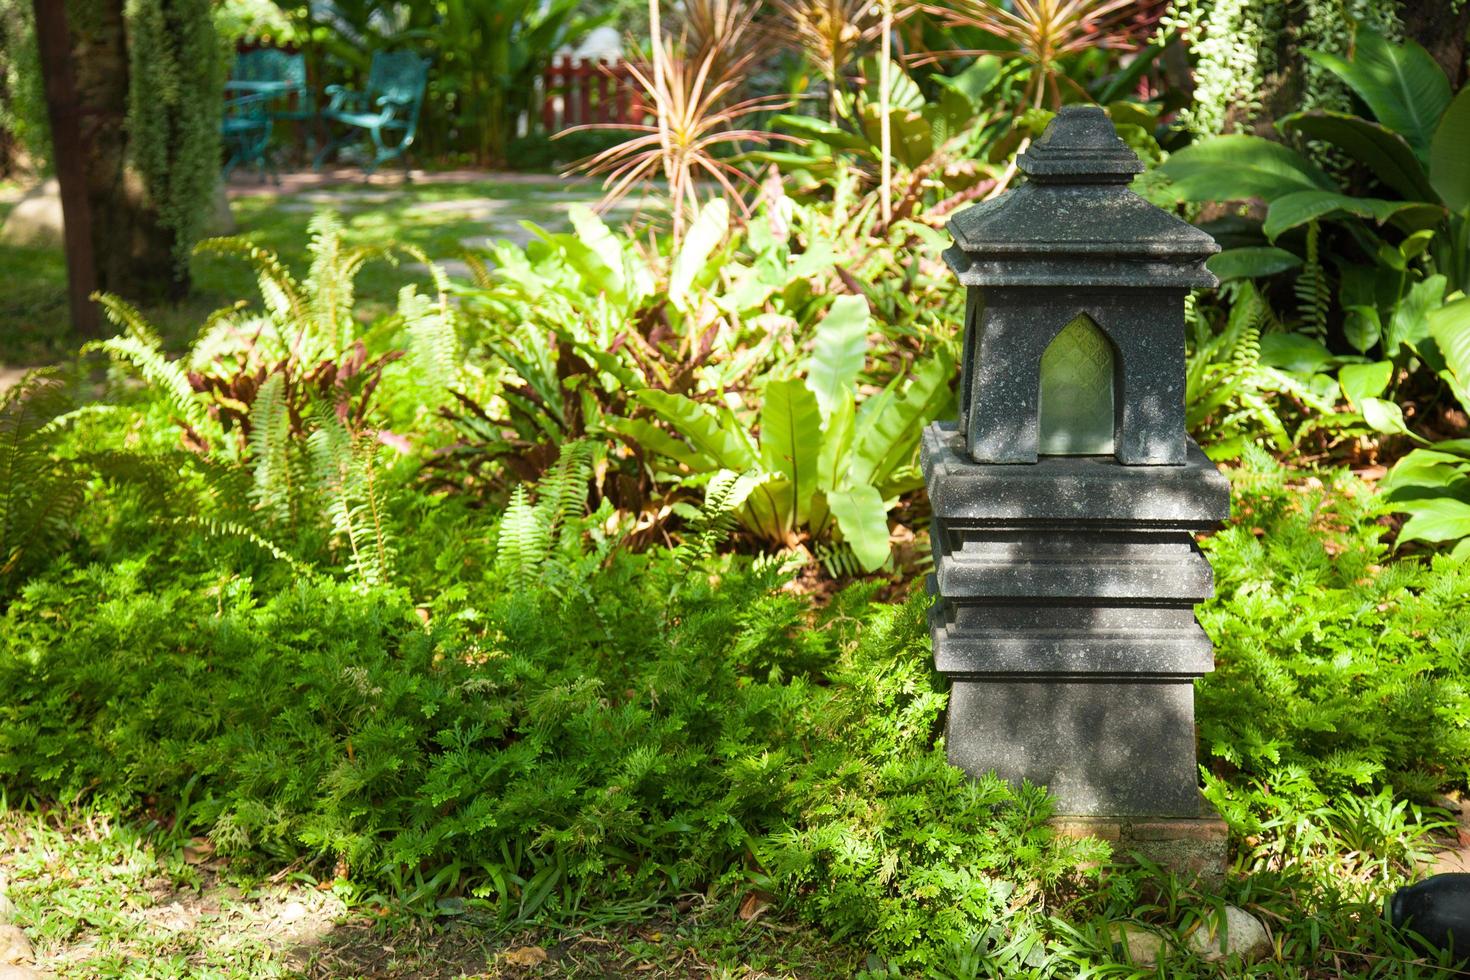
(720, 437)
(1236, 167)
(1449, 154)
(1296, 209)
(863, 518)
(1449, 325)
(1381, 150)
(1254, 262)
(1401, 84)
(791, 438)
(707, 231)
(838, 352)
(1435, 519)
(1362, 381)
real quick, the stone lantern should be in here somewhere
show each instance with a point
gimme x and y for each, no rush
(1067, 498)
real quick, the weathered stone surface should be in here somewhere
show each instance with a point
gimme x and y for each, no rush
(1066, 583)
(1071, 242)
(1238, 934)
(1105, 747)
(1193, 497)
(14, 946)
(1075, 222)
(1090, 642)
(1139, 944)
(14, 971)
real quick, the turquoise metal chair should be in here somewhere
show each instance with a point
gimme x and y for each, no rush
(265, 85)
(245, 130)
(387, 111)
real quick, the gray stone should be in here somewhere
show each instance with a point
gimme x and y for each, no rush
(1103, 747)
(14, 946)
(1193, 497)
(1139, 944)
(1075, 241)
(1237, 933)
(1066, 499)
(14, 971)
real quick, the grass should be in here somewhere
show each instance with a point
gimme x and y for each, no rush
(441, 219)
(100, 898)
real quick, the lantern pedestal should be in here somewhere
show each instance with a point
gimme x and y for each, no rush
(1065, 621)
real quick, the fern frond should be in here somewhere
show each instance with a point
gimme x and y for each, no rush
(562, 492)
(523, 539)
(279, 289)
(1314, 297)
(39, 494)
(270, 452)
(214, 527)
(717, 519)
(165, 376)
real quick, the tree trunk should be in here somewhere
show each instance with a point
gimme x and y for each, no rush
(134, 250)
(53, 42)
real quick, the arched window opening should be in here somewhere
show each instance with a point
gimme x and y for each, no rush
(1076, 401)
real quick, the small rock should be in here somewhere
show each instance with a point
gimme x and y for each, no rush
(1143, 947)
(14, 946)
(292, 912)
(12, 971)
(1241, 934)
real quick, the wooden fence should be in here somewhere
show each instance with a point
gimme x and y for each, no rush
(575, 92)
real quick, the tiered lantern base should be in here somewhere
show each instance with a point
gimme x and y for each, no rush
(1065, 621)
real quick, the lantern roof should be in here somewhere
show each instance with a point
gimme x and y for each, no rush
(1074, 222)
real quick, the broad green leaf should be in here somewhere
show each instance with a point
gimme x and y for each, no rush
(1236, 167)
(835, 460)
(654, 440)
(707, 231)
(1381, 150)
(863, 519)
(890, 424)
(1402, 85)
(1449, 154)
(791, 439)
(1294, 352)
(974, 81)
(1361, 381)
(820, 130)
(1296, 209)
(1384, 416)
(1410, 321)
(1363, 327)
(912, 136)
(1449, 325)
(1437, 519)
(838, 352)
(1255, 262)
(720, 436)
(595, 250)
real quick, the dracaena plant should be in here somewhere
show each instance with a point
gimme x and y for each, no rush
(699, 119)
(813, 463)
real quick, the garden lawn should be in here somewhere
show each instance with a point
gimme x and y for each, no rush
(441, 219)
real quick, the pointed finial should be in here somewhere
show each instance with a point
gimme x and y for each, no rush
(1080, 146)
